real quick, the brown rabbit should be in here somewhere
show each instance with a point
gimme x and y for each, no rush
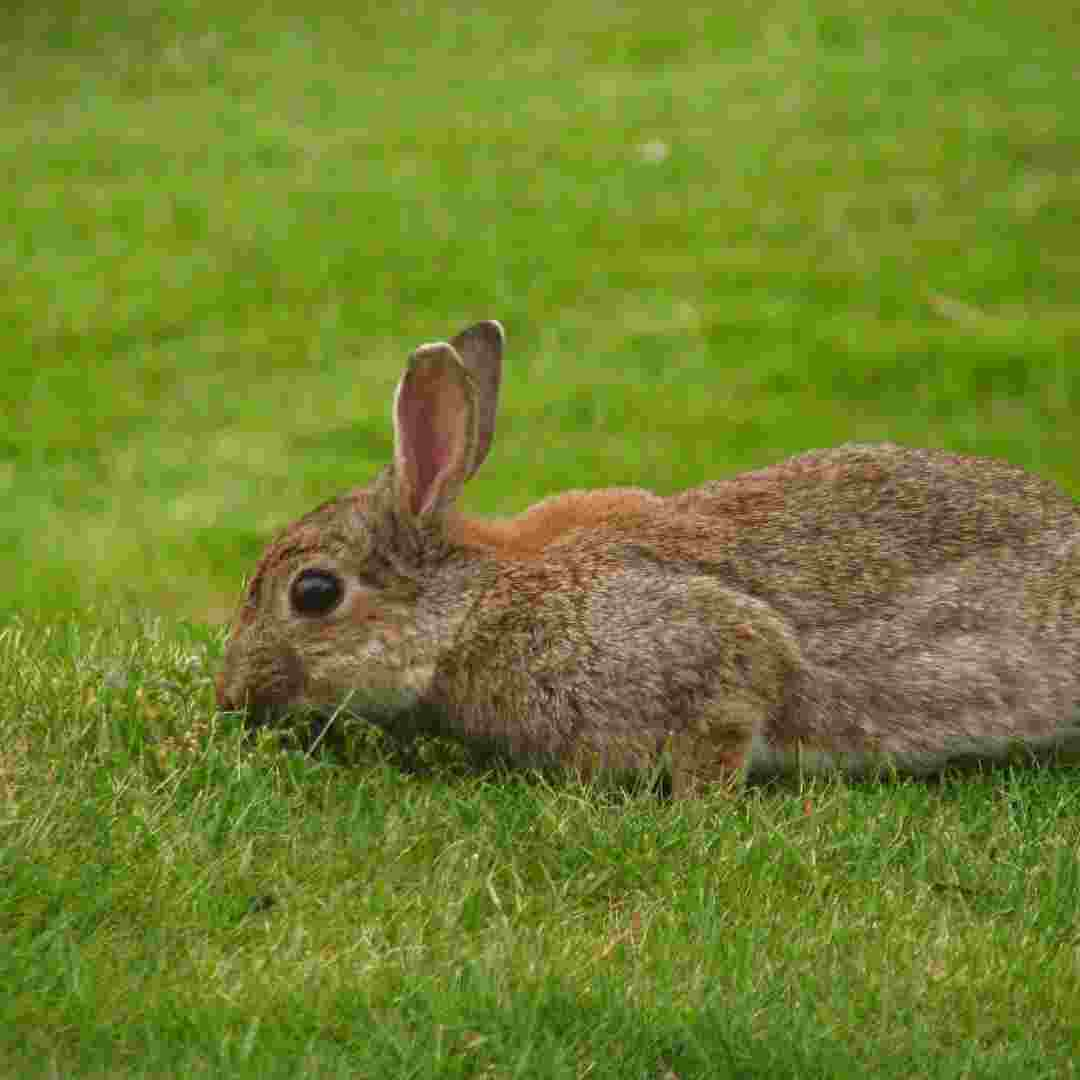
(855, 607)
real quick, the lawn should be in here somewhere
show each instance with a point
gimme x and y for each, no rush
(716, 236)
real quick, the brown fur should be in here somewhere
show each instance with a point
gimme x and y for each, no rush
(852, 607)
(529, 534)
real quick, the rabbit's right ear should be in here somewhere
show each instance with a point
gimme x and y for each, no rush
(435, 430)
(480, 348)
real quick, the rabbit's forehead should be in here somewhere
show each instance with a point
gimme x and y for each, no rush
(295, 546)
(338, 531)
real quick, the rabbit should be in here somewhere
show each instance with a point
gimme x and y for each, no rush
(849, 609)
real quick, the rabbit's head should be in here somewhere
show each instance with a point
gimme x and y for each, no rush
(340, 611)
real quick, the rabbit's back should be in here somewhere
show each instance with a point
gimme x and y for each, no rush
(829, 536)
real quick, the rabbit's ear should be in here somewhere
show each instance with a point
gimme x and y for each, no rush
(481, 349)
(435, 419)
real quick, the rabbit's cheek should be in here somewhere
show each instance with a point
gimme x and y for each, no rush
(377, 665)
(378, 682)
(394, 671)
(364, 607)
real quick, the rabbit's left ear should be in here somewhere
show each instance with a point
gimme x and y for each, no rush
(481, 349)
(435, 430)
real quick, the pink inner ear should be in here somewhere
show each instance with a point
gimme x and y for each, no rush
(432, 413)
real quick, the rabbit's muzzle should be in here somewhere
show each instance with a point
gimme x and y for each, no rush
(260, 677)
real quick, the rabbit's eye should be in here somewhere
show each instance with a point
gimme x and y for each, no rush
(316, 592)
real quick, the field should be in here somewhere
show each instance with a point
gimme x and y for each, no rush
(716, 236)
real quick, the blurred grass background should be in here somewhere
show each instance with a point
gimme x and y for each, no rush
(716, 236)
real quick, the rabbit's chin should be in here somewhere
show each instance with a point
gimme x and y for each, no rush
(386, 698)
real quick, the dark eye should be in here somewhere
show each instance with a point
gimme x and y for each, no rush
(316, 592)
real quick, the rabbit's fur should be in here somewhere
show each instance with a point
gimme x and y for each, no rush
(854, 607)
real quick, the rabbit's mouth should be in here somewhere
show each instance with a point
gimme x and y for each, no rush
(261, 714)
(316, 717)
(309, 727)
(261, 677)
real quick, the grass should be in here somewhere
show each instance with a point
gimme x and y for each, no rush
(177, 903)
(716, 236)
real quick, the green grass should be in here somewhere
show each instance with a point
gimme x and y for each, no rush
(177, 904)
(226, 229)
(716, 236)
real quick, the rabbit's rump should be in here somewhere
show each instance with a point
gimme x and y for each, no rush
(970, 662)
